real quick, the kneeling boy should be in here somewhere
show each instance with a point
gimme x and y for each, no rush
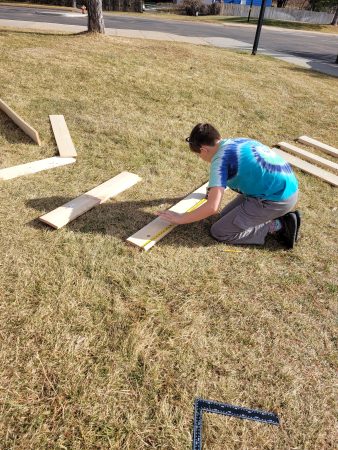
(267, 187)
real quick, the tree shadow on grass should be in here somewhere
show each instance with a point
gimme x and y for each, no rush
(44, 33)
(11, 132)
(122, 219)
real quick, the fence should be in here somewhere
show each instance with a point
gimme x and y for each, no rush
(286, 14)
(123, 5)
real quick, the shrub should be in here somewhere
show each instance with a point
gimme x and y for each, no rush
(214, 9)
(194, 6)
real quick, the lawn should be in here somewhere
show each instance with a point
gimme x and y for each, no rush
(274, 23)
(240, 21)
(106, 347)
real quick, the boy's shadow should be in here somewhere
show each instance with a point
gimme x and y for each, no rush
(122, 219)
(11, 132)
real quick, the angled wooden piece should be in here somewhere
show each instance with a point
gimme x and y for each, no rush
(63, 139)
(25, 127)
(308, 156)
(158, 228)
(34, 167)
(75, 208)
(308, 168)
(320, 145)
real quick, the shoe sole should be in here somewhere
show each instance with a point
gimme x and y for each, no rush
(299, 222)
(291, 234)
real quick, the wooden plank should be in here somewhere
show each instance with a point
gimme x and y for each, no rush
(317, 144)
(309, 168)
(149, 235)
(25, 127)
(62, 136)
(34, 167)
(308, 156)
(75, 208)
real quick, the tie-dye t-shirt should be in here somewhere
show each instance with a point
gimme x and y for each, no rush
(253, 169)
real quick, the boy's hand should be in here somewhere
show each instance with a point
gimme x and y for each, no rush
(171, 216)
(209, 208)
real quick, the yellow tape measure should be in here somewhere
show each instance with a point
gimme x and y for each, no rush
(169, 227)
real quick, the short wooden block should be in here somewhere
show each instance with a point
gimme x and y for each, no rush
(320, 145)
(34, 167)
(24, 126)
(62, 136)
(149, 235)
(75, 208)
(308, 168)
(308, 156)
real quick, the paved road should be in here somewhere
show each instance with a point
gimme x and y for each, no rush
(315, 47)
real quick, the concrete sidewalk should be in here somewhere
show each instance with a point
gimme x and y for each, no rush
(320, 66)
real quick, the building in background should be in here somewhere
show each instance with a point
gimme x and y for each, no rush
(248, 2)
(233, 2)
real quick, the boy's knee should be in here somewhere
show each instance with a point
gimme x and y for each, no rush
(220, 235)
(216, 234)
(213, 232)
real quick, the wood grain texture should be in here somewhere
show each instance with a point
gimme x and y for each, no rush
(308, 156)
(22, 124)
(75, 208)
(308, 168)
(320, 145)
(34, 167)
(62, 136)
(149, 235)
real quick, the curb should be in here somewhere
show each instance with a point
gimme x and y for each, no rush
(62, 14)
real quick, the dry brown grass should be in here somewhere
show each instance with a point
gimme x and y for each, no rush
(105, 347)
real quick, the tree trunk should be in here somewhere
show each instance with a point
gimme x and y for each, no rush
(95, 17)
(335, 18)
(74, 3)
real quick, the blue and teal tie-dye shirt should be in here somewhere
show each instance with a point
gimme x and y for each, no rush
(253, 169)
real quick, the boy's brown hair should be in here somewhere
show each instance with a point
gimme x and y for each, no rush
(202, 134)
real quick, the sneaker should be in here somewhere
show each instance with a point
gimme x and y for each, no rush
(289, 229)
(299, 221)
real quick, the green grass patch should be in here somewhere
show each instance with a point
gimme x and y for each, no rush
(284, 24)
(244, 21)
(106, 347)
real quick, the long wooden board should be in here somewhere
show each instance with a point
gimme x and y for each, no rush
(62, 136)
(309, 168)
(25, 127)
(34, 167)
(149, 235)
(320, 145)
(308, 156)
(75, 208)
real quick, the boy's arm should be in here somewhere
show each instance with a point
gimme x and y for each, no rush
(209, 208)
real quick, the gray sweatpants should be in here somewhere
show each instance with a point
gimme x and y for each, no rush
(245, 220)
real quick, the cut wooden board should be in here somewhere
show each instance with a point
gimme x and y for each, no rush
(75, 208)
(33, 134)
(34, 167)
(317, 144)
(63, 139)
(149, 235)
(308, 168)
(308, 156)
